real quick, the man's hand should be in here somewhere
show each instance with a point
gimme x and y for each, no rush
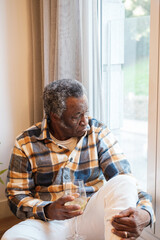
(130, 223)
(58, 211)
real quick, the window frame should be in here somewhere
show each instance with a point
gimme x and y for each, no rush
(153, 173)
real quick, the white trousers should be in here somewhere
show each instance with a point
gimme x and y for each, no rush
(116, 195)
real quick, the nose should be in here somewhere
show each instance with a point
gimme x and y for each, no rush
(84, 120)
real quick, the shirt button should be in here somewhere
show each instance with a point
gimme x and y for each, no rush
(66, 177)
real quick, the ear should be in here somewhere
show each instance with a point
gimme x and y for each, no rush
(54, 116)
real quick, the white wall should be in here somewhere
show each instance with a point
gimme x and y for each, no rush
(15, 79)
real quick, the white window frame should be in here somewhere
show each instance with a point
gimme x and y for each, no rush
(153, 174)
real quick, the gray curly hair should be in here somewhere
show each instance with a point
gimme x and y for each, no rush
(56, 93)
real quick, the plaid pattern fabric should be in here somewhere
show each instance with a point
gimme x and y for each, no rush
(39, 167)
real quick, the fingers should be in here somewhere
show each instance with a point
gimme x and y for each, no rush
(121, 230)
(125, 234)
(124, 222)
(71, 214)
(59, 211)
(126, 225)
(126, 217)
(69, 209)
(67, 215)
(65, 199)
(66, 203)
(126, 231)
(121, 226)
(125, 213)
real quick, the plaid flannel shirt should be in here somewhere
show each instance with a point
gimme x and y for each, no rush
(39, 168)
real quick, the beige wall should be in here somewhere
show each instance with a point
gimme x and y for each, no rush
(15, 78)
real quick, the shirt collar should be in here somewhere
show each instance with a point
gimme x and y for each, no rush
(44, 130)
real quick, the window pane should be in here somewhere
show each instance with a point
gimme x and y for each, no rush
(125, 78)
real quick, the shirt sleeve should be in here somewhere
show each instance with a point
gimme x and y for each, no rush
(20, 188)
(145, 202)
(113, 162)
(111, 157)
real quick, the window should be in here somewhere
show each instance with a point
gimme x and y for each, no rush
(128, 82)
(126, 91)
(125, 78)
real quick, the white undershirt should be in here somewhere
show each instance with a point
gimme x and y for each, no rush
(69, 143)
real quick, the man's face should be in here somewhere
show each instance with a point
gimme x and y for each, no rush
(74, 120)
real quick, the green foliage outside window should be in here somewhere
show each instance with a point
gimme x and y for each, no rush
(1, 172)
(134, 8)
(137, 27)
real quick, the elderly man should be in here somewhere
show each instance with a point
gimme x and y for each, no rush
(69, 145)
